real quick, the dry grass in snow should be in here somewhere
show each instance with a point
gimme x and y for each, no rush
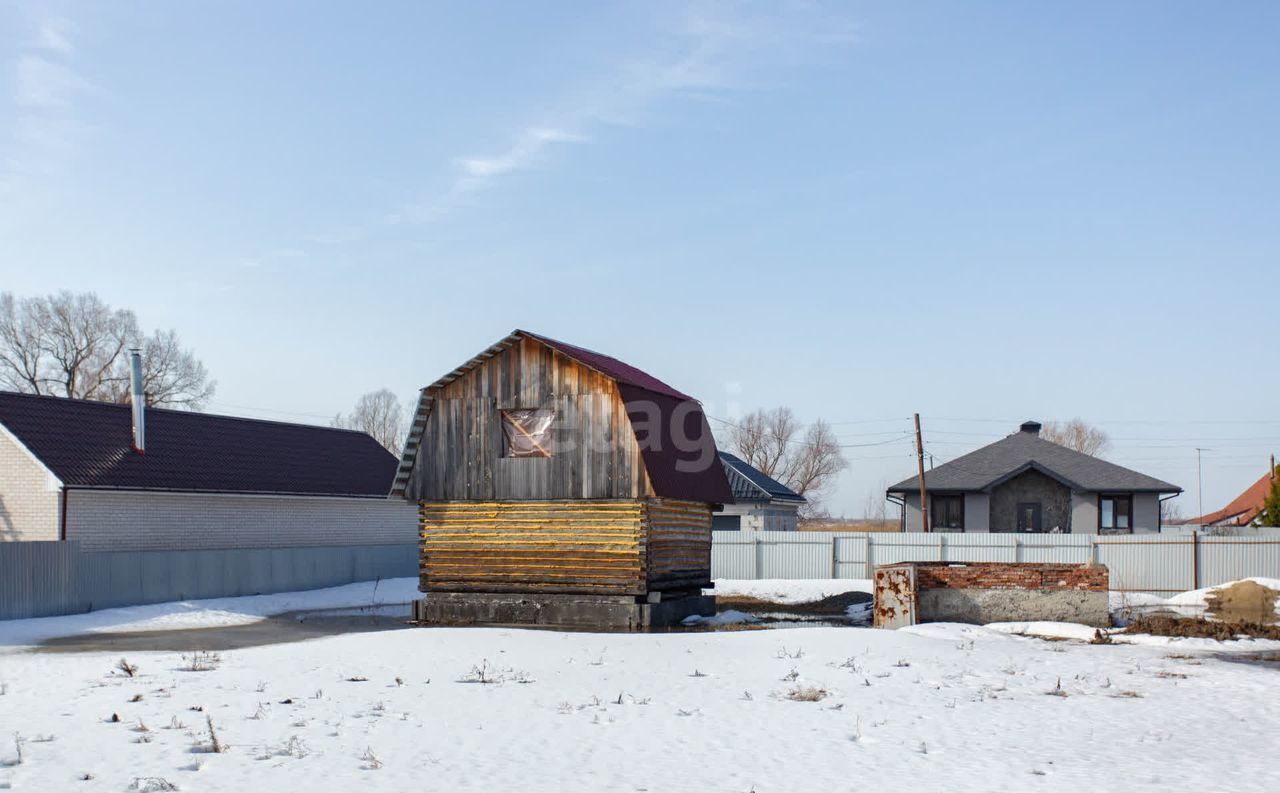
(948, 707)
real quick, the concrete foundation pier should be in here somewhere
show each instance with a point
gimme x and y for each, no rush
(604, 612)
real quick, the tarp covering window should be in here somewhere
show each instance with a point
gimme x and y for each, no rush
(528, 432)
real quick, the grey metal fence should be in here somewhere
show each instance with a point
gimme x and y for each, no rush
(1155, 563)
(46, 578)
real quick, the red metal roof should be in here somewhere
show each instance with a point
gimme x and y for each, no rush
(1243, 508)
(88, 444)
(623, 373)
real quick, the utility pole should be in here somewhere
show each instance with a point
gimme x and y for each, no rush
(924, 504)
(1199, 483)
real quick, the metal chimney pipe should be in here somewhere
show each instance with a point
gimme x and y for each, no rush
(139, 401)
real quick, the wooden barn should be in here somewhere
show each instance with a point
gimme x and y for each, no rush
(557, 485)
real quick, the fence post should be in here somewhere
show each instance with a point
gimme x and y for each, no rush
(866, 556)
(835, 556)
(1017, 548)
(1195, 560)
(755, 539)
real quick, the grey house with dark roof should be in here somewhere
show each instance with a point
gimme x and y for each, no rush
(761, 503)
(1025, 483)
(77, 470)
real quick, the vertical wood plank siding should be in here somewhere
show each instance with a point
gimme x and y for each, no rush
(621, 547)
(596, 456)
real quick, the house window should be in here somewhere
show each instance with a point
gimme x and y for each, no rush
(527, 432)
(947, 513)
(1115, 514)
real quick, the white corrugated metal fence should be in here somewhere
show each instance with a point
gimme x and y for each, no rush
(1162, 564)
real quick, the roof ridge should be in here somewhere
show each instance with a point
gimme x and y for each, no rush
(178, 412)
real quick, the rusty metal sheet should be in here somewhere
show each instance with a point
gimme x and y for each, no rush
(895, 596)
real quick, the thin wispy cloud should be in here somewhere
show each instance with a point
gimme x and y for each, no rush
(45, 133)
(523, 153)
(54, 35)
(710, 52)
(43, 83)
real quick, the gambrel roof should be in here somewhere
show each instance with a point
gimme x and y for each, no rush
(665, 462)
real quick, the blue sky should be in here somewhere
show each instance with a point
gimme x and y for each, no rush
(983, 212)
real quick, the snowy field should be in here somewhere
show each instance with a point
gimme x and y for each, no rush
(938, 707)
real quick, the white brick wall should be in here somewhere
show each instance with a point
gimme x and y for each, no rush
(148, 521)
(29, 494)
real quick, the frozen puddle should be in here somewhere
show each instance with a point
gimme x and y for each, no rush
(293, 626)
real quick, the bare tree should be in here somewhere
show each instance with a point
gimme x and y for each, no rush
(875, 507)
(74, 345)
(1170, 513)
(379, 414)
(171, 376)
(771, 441)
(1075, 434)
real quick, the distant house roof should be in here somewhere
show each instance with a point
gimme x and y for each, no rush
(749, 483)
(1243, 508)
(89, 445)
(666, 458)
(1025, 450)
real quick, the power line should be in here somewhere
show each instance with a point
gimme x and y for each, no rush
(901, 437)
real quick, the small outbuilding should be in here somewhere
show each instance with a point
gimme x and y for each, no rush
(557, 485)
(761, 503)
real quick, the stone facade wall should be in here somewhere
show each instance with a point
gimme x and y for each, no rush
(1032, 486)
(29, 495)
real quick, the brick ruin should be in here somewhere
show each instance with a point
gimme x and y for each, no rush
(984, 592)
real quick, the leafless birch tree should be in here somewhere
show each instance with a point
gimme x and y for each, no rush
(379, 414)
(806, 461)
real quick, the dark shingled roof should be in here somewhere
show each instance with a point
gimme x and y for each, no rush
(89, 444)
(751, 484)
(989, 466)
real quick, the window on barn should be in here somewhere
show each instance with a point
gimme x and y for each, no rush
(527, 432)
(1115, 514)
(947, 513)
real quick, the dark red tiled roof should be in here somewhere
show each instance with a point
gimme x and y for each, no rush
(89, 444)
(1244, 508)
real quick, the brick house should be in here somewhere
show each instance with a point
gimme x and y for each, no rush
(71, 470)
(1024, 483)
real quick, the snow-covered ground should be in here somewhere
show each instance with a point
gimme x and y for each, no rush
(960, 708)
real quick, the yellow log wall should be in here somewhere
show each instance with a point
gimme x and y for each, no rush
(593, 546)
(588, 546)
(679, 543)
